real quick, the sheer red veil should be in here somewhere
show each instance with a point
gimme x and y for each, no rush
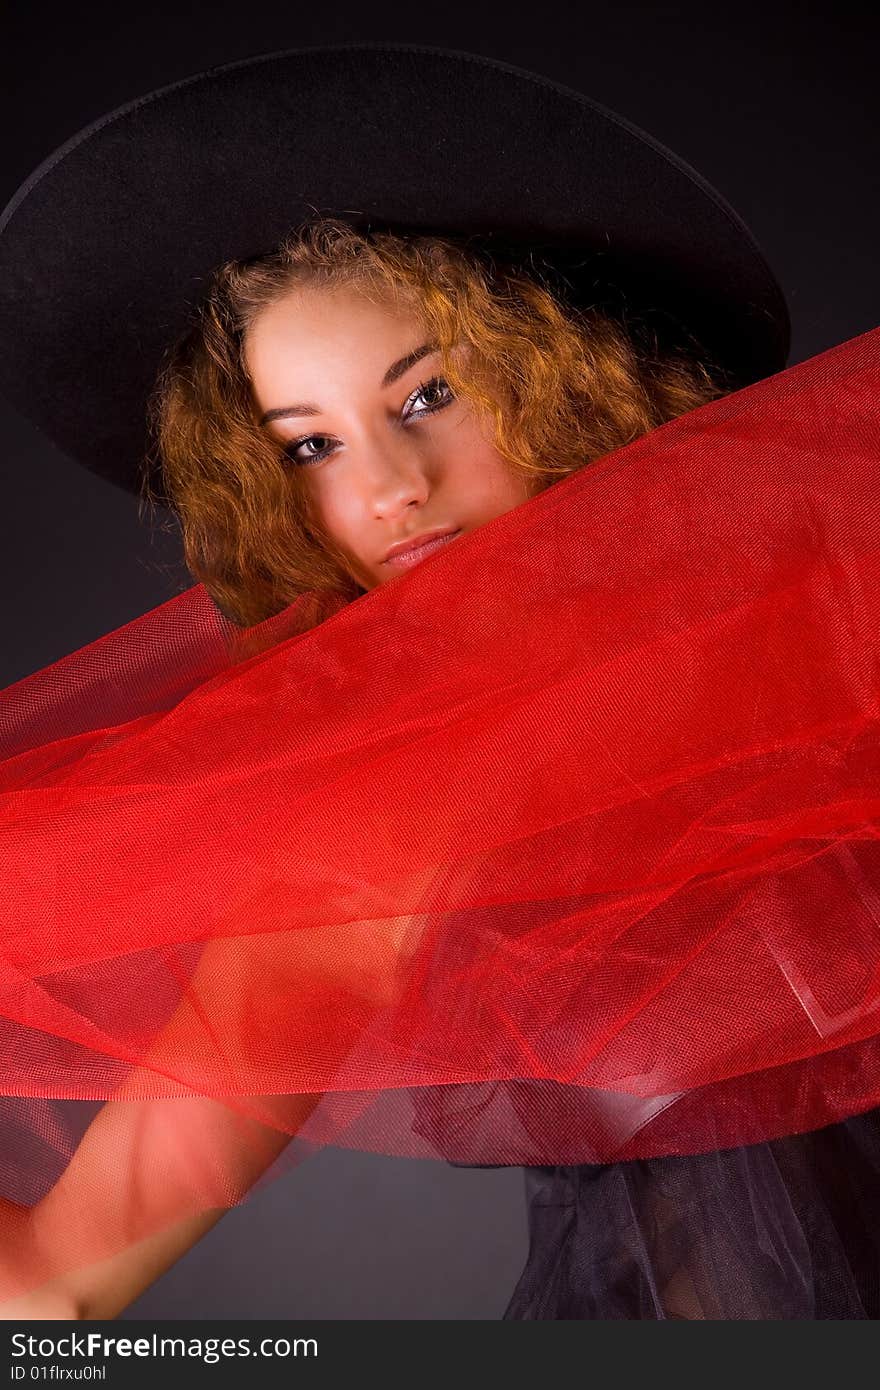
(560, 847)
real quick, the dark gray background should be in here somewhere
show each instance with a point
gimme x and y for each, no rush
(776, 105)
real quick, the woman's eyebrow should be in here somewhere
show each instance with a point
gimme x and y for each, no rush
(281, 411)
(403, 364)
(395, 371)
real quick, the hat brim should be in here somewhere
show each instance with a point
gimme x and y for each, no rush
(112, 238)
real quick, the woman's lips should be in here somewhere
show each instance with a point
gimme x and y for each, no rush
(420, 552)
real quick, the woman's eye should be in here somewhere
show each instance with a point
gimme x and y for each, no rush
(427, 397)
(309, 450)
(433, 395)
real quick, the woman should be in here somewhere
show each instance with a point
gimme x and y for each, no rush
(334, 401)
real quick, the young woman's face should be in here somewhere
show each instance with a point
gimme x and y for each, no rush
(387, 453)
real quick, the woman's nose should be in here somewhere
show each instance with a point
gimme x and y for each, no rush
(395, 475)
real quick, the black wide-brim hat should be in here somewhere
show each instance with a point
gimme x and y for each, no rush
(109, 242)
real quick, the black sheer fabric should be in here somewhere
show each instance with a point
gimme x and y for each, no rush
(788, 1229)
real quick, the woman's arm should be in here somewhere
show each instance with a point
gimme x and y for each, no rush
(149, 1178)
(139, 1168)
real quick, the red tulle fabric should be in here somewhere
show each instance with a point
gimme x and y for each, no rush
(562, 847)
